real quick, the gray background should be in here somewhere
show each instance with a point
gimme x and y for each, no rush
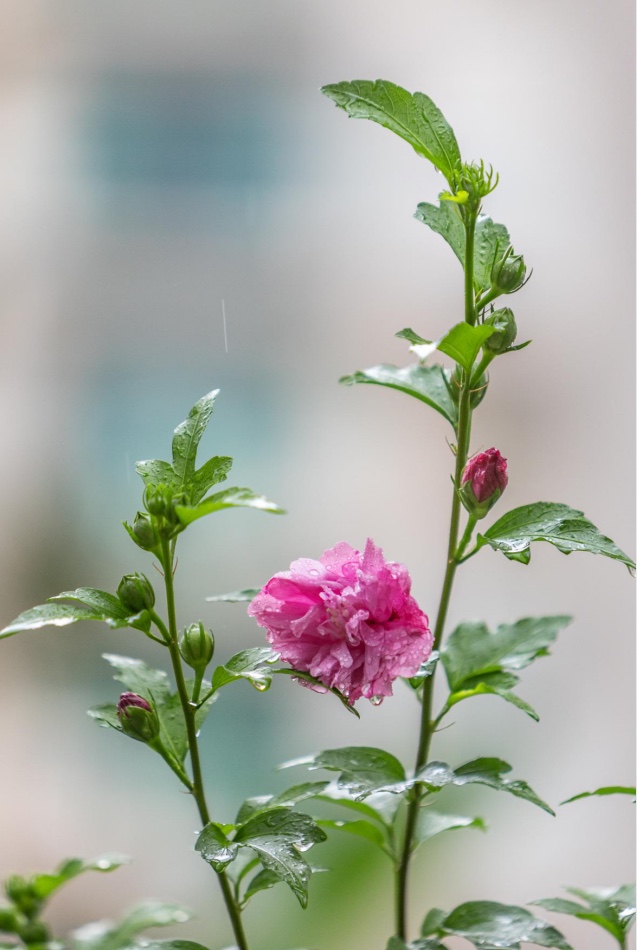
(158, 158)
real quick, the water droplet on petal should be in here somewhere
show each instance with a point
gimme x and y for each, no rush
(376, 700)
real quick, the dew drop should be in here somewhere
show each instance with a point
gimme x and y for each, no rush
(303, 845)
(259, 685)
(376, 700)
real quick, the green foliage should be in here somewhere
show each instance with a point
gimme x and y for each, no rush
(87, 603)
(560, 525)
(483, 771)
(364, 770)
(278, 835)
(153, 686)
(413, 117)
(254, 665)
(462, 342)
(185, 484)
(235, 597)
(104, 935)
(487, 925)
(301, 676)
(605, 790)
(612, 908)
(431, 823)
(491, 240)
(479, 662)
(430, 384)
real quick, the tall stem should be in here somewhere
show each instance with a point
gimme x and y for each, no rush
(426, 725)
(189, 712)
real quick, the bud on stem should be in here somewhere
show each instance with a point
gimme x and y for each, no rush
(483, 481)
(137, 718)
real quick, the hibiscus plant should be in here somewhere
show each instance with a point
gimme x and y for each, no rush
(344, 623)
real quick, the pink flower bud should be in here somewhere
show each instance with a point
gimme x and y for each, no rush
(137, 717)
(483, 481)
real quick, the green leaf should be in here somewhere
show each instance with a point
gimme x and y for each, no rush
(431, 823)
(155, 472)
(99, 600)
(558, 524)
(426, 670)
(490, 245)
(105, 936)
(490, 242)
(278, 837)
(254, 665)
(215, 847)
(360, 828)
(605, 790)
(479, 662)
(430, 384)
(229, 498)
(380, 807)
(53, 615)
(446, 221)
(363, 769)
(262, 881)
(236, 597)
(187, 437)
(489, 771)
(45, 884)
(105, 715)
(414, 118)
(287, 799)
(463, 343)
(488, 924)
(212, 472)
(613, 909)
(472, 650)
(427, 943)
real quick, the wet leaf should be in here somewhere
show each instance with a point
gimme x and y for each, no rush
(463, 343)
(236, 597)
(431, 823)
(45, 884)
(215, 847)
(413, 117)
(487, 924)
(429, 384)
(363, 769)
(483, 771)
(613, 909)
(278, 837)
(254, 665)
(187, 437)
(567, 529)
(287, 799)
(229, 498)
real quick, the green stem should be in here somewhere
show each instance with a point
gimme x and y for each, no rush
(189, 710)
(426, 724)
(464, 541)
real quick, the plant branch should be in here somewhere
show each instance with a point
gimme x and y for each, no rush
(189, 711)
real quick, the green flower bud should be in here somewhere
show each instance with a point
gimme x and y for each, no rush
(20, 891)
(137, 717)
(505, 331)
(508, 274)
(196, 645)
(136, 593)
(9, 921)
(157, 500)
(478, 392)
(144, 532)
(34, 932)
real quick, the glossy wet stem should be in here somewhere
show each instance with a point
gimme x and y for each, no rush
(189, 711)
(454, 552)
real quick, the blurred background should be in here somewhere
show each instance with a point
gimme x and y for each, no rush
(164, 162)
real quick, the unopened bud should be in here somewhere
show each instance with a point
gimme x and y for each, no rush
(137, 717)
(34, 932)
(196, 645)
(504, 333)
(483, 481)
(136, 593)
(144, 532)
(507, 275)
(9, 921)
(21, 893)
(478, 392)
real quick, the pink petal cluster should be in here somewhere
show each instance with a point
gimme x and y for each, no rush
(348, 619)
(487, 473)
